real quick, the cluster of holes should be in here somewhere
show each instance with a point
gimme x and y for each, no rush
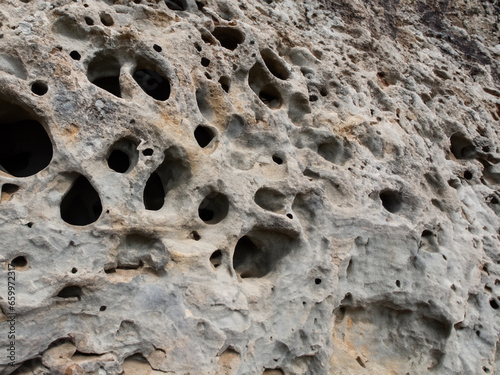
(104, 72)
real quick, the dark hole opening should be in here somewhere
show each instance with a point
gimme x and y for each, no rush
(119, 161)
(176, 4)
(391, 200)
(74, 270)
(110, 84)
(81, 205)
(290, 216)
(147, 152)
(398, 283)
(89, 21)
(39, 88)
(195, 235)
(216, 258)
(493, 304)
(205, 215)
(467, 175)
(157, 48)
(277, 159)
(9, 188)
(30, 224)
(427, 233)
(19, 262)
(107, 20)
(228, 37)
(25, 148)
(205, 62)
(154, 193)
(249, 260)
(317, 281)
(270, 96)
(75, 55)
(313, 98)
(225, 83)
(153, 84)
(203, 135)
(102, 308)
(214, 208)
(200, 5)
(70, 292)
(461, 147)
(274, 64)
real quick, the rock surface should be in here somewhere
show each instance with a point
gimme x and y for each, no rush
(250, 187)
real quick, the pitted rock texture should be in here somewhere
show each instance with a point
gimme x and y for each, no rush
(250, 187)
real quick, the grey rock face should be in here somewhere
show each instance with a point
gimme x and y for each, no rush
(249, 187)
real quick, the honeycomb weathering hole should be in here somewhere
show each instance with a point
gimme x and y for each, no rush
(391, 200)
(71, 291)
(81, 205)
(228, 37)
(19, 262)
(123, 156)
(25, 146)
(176, 4)
(257, 253)
(204, 135)
(104, 72)
(39, 88)
(216, 258)
(270, 96)
(152, 83)
(270, 199)
(461, 147)
(275, 65)
(214, 208)
(154, 193)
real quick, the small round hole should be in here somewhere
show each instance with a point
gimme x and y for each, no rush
(290, 216)
(30, 224)
(317, 281)
(198, 47)
(75, 55)
(467, 175)
(398, 283)
(195, 236)
(39, 88)
(102, 308)
(19, 262)
(157, 48)
(205, 62)
(277, 159)
(147, 152)
(74, 270)
(493, 304)
(216, 258)
(89, 21)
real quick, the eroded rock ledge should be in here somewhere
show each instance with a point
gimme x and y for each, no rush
(250, 187)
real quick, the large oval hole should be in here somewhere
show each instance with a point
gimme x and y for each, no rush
(152, 83)
(25, 146)
(81, 205)
(213, 208)
(104, 72)
(275, 65)
(228, 37)
(154, 194)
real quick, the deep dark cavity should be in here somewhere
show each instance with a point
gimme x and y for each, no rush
(270, 96)
(214, 208)
(225, 83)
(152, 83)
(203, 135)
(216, 258)
(275, 65)
(104, 72)
(228, 37)
(72, 291)
(278, 160)
(176, 4)
(39, 88)
(123, 156)
(106, 19)
(75, 55)
(205, 62)
(258, 253)
(461, 147)
(25, 146)
(19, 262)
(391, 200)
(154, 194)
(81, 205)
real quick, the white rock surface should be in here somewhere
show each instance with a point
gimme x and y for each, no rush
(250, 187)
